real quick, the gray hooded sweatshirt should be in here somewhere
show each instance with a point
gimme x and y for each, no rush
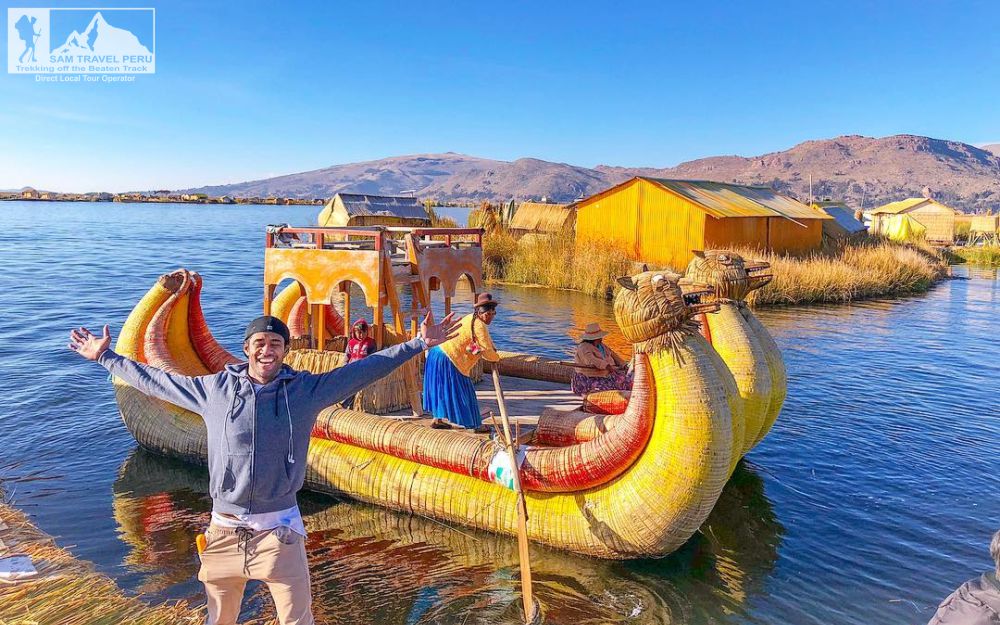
(258, 439)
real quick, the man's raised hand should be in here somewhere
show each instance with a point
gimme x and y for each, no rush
(435, 334)
(87, 344)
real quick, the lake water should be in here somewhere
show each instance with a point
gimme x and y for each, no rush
(875, 494)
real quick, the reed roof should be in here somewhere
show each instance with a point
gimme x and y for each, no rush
(543, 217)
(365, 205)
(903, 206)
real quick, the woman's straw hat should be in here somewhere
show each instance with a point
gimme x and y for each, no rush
(485, 299)
(593, 332)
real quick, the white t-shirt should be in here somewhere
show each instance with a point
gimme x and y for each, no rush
(290, 518)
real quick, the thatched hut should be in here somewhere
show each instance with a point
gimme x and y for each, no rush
(844, 224)
(360, 209)
(543, 218)
(937, 219)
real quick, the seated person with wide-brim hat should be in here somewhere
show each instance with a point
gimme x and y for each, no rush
(598, 367)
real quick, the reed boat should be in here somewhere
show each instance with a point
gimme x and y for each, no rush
(757, 386)
(640, 490)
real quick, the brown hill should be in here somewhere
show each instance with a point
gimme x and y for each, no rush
(846, 168)
(450, 176)
(853, 167)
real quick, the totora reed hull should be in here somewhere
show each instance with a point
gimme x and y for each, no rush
(640, 491)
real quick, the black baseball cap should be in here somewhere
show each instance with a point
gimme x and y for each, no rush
(267, 323)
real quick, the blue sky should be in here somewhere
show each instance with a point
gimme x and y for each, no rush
(248, 90)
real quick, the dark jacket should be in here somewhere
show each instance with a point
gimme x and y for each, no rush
(257, 440)
(976, 602)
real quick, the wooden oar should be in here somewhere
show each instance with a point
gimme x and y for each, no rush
(522, 508)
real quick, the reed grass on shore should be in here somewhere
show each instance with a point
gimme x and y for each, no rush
(987, 255)
(553, 262)
(841, 272)
(68, 590)
(848, 272)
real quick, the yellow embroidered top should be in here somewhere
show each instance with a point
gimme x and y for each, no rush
(457, 351)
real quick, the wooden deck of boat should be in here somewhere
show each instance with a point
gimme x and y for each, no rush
(526, 399)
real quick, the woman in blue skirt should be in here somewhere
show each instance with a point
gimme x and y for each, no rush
(449, 394)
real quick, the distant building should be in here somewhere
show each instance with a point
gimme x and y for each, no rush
(29, 194)
(359, 209)
(661, 221)
(541, 218)
(937, 219)
(843, 224)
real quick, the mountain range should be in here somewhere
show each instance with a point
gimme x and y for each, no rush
(101, 38)
(851, 168)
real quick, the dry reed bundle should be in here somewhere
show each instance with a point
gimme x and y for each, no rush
(517, 365)
(68, 591)
(744, 345)
(214, 356)
(559, 428)
(380, 397)
(606, 402)
(168, 335)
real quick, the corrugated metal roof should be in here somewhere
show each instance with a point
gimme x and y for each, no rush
(720, 199)
(542, 217)
(842, 214)
(360, 205)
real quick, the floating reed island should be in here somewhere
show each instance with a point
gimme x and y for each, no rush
(638, 488)
(819, 253)
(67, 590)
(841, 271)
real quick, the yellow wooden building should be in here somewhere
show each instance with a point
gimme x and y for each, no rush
(938, 219)
(661, 221)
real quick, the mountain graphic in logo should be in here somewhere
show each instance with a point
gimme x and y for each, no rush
(101, 38)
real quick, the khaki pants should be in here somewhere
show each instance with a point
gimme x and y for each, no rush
(231, 557)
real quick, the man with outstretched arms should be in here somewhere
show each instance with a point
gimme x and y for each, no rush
(259, 415)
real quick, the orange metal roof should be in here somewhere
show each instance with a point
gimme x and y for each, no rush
(720, 199)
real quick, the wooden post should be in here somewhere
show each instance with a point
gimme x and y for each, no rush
(414, 313)
(527, 600)
(268, 297)
(447, 306)
(380, 286)
(409, 369)
(314, 313)
(347, 311)
(321, 327)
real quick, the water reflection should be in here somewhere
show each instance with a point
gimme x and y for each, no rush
(373, 565)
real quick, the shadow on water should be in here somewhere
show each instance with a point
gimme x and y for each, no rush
(370, 564)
